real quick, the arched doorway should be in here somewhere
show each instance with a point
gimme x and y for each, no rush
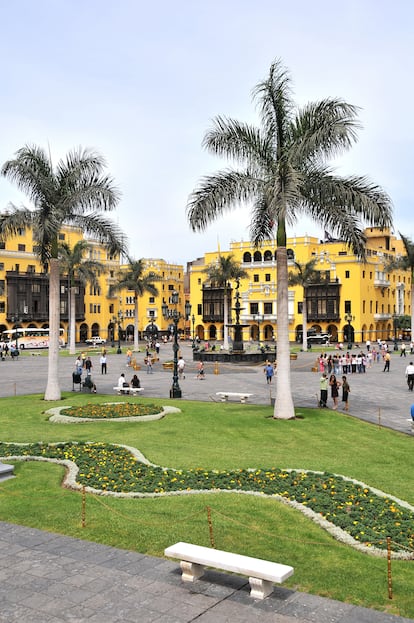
(212, 332)
(83, 332)
(333, 332)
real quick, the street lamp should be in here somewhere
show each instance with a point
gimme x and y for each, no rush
(349, 318)
(118, 321)
(193, 322)
(16, 320)
(175, 316)
(396, 325)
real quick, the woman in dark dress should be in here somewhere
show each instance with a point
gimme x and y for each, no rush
(345, 391)
(334, 390)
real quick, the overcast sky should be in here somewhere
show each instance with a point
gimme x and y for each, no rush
(140, 82)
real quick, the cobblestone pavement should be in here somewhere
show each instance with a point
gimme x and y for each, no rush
(48, 578)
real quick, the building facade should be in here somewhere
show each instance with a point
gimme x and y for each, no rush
(24, 293)
(351, 299)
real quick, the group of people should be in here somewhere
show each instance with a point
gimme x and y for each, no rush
(334, 385)
(135, 382)
(84, 363)
(9, 350)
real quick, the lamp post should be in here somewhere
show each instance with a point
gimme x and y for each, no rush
(16, 320)
(349, 318)
(175, 316)
(193, 322)
(118, 320)
(396, 325)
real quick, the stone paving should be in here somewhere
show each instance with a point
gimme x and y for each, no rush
(48, 578)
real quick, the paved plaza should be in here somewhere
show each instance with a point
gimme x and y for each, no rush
(48, 578)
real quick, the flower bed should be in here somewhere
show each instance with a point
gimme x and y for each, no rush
(366, 515)
(111, 410)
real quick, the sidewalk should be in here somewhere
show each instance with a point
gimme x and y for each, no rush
(47, 578)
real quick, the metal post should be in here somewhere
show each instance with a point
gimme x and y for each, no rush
(175, 391)
(193, 321)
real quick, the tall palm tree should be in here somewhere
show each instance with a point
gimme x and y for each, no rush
(283, 171)
(304, 275)
(74, 193)
(221, 273)
(133, 278)
(73, 264)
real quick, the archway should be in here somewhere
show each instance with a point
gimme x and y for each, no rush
(212, 332)
(333, 332)
(349, 333)
(83, 332)
(268, 332)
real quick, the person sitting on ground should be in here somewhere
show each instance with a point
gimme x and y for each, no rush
(135, 382)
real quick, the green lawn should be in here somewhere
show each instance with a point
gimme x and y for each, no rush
(221, 437)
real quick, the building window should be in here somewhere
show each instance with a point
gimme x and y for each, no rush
(21, 231)
(1, 266)
(268, 308)
(342, 253)
(347, 274)
(170, 287)
(267, 277)
(151, 313)
(152, 299)
(347, 307)
(256, 278)
(376, 307)
(61, 236)
(199, 281)
(300, 307)
(111, 308)
(2, 307)
(254, 308)
(370, 275)
(199, 309)
(363, 307)
(2, 245)
(21, 247)
(2, 286)
(363, 274)
(31, 269)
(36, 288)
(370, 307)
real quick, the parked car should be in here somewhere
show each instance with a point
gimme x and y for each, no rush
(95, 340)
(318, 338)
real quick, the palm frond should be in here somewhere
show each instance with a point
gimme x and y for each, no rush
(219, 193)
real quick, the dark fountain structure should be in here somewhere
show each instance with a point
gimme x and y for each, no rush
(237, 354)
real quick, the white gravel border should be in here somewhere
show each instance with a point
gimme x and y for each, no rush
(57, 418)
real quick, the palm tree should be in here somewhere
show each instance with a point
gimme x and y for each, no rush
(73, 264)
(221, 273)
(405, 262)
(73, 193)
(133, 278)
(282, 170)
(304, 275)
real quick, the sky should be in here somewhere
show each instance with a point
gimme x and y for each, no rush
(140, 82)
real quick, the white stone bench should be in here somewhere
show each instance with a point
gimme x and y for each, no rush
(412, 423)
(261, 573)
(242, 396)
(128, 390)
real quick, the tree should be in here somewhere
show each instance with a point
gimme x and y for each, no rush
(72, 193)
(305, 274)
(405, 262)
(73, 264)
(133, 278)
(221, 273)
(282, 172)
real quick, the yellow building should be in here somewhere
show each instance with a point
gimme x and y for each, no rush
(24, 292)
(353, 300)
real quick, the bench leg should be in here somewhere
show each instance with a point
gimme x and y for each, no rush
(191, 571)
(260, 588)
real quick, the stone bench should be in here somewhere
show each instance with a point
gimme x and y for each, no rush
(242, 396)
(128, 390)
(412, 424)
(261, 573)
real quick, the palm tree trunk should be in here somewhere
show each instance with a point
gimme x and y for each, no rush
(72, 321)
(304, 323)
(52, 388)
(284, 408)
(136, 334)
(226, 319)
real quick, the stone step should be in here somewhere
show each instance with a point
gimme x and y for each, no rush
(6, 471)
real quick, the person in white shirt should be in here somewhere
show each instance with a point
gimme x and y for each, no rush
(122, 380)
(409, 374)
(181, 366)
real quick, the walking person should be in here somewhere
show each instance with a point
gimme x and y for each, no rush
(181, 367)
(269, 372)
(323, 387)
(200, 371)
(334, 384)
(403, 350)
(88, 366)
(149, 364)
(103, 363)
(346, 390)
(387, 360)
(409, 375)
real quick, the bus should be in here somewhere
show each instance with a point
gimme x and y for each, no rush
(29, 337)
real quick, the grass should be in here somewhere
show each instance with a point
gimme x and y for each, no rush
(224, 438)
